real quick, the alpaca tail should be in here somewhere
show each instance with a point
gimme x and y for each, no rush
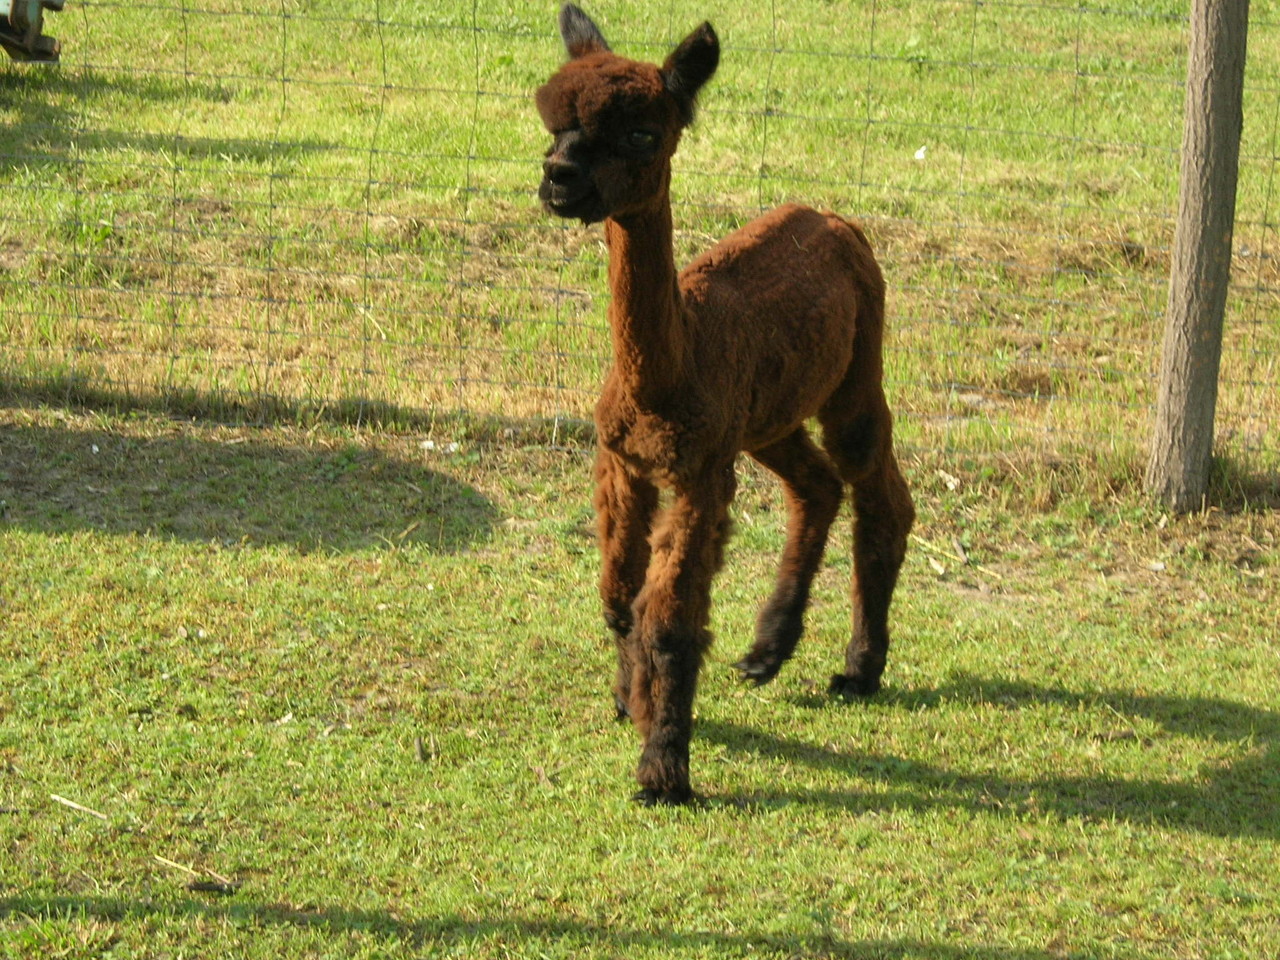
(866, 271)
(869, 282)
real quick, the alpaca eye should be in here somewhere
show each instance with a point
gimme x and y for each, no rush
(641, 139)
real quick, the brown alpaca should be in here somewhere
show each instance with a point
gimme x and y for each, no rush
(780, 322)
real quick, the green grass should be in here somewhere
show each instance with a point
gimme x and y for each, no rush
(356, 690)
(328, 692)
(309, 208)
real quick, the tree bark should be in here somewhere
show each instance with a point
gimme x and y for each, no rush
(1182, 444)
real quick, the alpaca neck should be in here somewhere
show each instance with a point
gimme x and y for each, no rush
(645, 314)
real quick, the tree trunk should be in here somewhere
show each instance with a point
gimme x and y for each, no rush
(1178, 471)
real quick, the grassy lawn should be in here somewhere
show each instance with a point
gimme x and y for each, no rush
(335, 684)
(308, 208)
(332, 693)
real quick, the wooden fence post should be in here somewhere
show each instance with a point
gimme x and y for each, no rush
(1182, 444)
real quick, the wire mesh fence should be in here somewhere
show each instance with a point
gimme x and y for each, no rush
(305, 207)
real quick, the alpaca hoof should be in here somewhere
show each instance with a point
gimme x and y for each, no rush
(653, 797)
(852, 687)
(758, 672)
(621, 713)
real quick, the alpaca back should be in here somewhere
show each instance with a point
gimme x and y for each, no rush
(774, 311)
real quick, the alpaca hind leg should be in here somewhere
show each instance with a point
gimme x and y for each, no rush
(883, 514)
(670, 635)
(624, 505)
(813, 493)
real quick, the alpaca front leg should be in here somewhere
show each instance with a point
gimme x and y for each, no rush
(670, 634)
(625, 505)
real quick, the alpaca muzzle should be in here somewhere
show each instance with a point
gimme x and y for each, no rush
(567, 191)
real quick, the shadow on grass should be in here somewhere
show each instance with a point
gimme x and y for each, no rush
(1237, 484)
(190, 486)
(452, 931)
(1233, 799)
(50, 107)
(60, 389)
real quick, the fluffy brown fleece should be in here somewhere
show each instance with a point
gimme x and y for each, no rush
(779, 322)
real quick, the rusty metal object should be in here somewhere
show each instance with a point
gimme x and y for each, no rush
(22, 31)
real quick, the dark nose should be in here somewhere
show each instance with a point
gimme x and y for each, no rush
(561, 173)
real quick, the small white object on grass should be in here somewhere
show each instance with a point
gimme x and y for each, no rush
(77, 806)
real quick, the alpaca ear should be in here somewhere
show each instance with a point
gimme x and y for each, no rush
(690, 66)
(581, 35)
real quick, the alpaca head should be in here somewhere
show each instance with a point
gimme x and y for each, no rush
(616, 122)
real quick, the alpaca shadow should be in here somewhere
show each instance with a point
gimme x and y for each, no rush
(200, 486)
(452, 932)
(1209, 802)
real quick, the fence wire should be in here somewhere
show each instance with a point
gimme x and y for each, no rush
(305, 207)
